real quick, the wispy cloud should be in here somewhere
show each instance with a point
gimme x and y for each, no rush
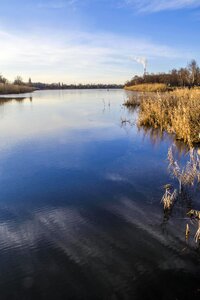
(77, 56)
(161, 5)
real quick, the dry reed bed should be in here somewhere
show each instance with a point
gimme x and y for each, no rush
(176, 112)
(148, 87)
(14, 89)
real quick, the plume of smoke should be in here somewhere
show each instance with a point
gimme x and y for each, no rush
(141, 60)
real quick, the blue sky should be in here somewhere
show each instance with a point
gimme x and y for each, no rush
(75, 41)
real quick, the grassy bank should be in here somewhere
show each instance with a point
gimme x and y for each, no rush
(8, 88)
(145, 87)
(176, 112)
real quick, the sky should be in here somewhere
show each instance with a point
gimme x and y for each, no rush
(96, 41)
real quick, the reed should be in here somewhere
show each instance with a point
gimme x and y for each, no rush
(148, 87)
(7, 88)
(194, 214)
(187, 232)
(197, 235)
(133, 100)
(186, 175)
(168, 197)
(176, 112)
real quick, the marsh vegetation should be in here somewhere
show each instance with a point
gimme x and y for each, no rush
(18, 86)
(8, 88)
(177, 112)
(188, 178)
(148, 87)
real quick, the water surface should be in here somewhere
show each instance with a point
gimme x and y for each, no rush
(80, 211)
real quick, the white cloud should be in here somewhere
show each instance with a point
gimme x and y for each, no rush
(160, 5)
(76, 56)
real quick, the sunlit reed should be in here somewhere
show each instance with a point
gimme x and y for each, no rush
(188, 174)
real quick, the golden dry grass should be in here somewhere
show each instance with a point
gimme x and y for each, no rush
(133, 100)
(187, 175)
(176, 112)
(148, 87)
(197, 235)
(168, 198)
(14, 89)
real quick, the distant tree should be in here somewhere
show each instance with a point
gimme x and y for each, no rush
(3, 79)
(18, 80)
(188, 76)
(29, 82)
(184, 77)
(194, 71)
(174, 80)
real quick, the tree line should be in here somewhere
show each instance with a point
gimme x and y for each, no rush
(53, 86)
(183, 77)
(62, 86)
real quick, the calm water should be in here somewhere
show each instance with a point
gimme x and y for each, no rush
(80, 212)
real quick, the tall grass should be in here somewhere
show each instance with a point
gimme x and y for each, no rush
(133, 100)
(197, 235)
(176, 112)
(168, 197)
(148, 87)
(8, 88)
(187, 175)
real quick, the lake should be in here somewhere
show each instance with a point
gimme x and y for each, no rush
(80, 211)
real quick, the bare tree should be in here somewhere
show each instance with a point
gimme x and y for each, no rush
(184, 77)
(3, 79)
(188, 76)
(18, 80)
(194, 71)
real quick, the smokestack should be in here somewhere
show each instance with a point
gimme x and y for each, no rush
(145, 70)
(143, 61)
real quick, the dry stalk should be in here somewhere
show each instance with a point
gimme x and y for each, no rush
(168, 198)
(197, 235)
(188, 174)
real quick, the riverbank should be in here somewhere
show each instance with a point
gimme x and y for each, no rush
(148, 87)
(7, 88)
(176, 112)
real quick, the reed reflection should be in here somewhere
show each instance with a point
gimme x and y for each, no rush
(6, 100)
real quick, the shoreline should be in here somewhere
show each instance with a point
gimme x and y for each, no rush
(148, 87)
(23, 90)
(8, 89)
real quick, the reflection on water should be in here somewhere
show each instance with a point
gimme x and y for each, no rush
(187, 175)
(80, 211)
(156, 135)
(7, 99)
